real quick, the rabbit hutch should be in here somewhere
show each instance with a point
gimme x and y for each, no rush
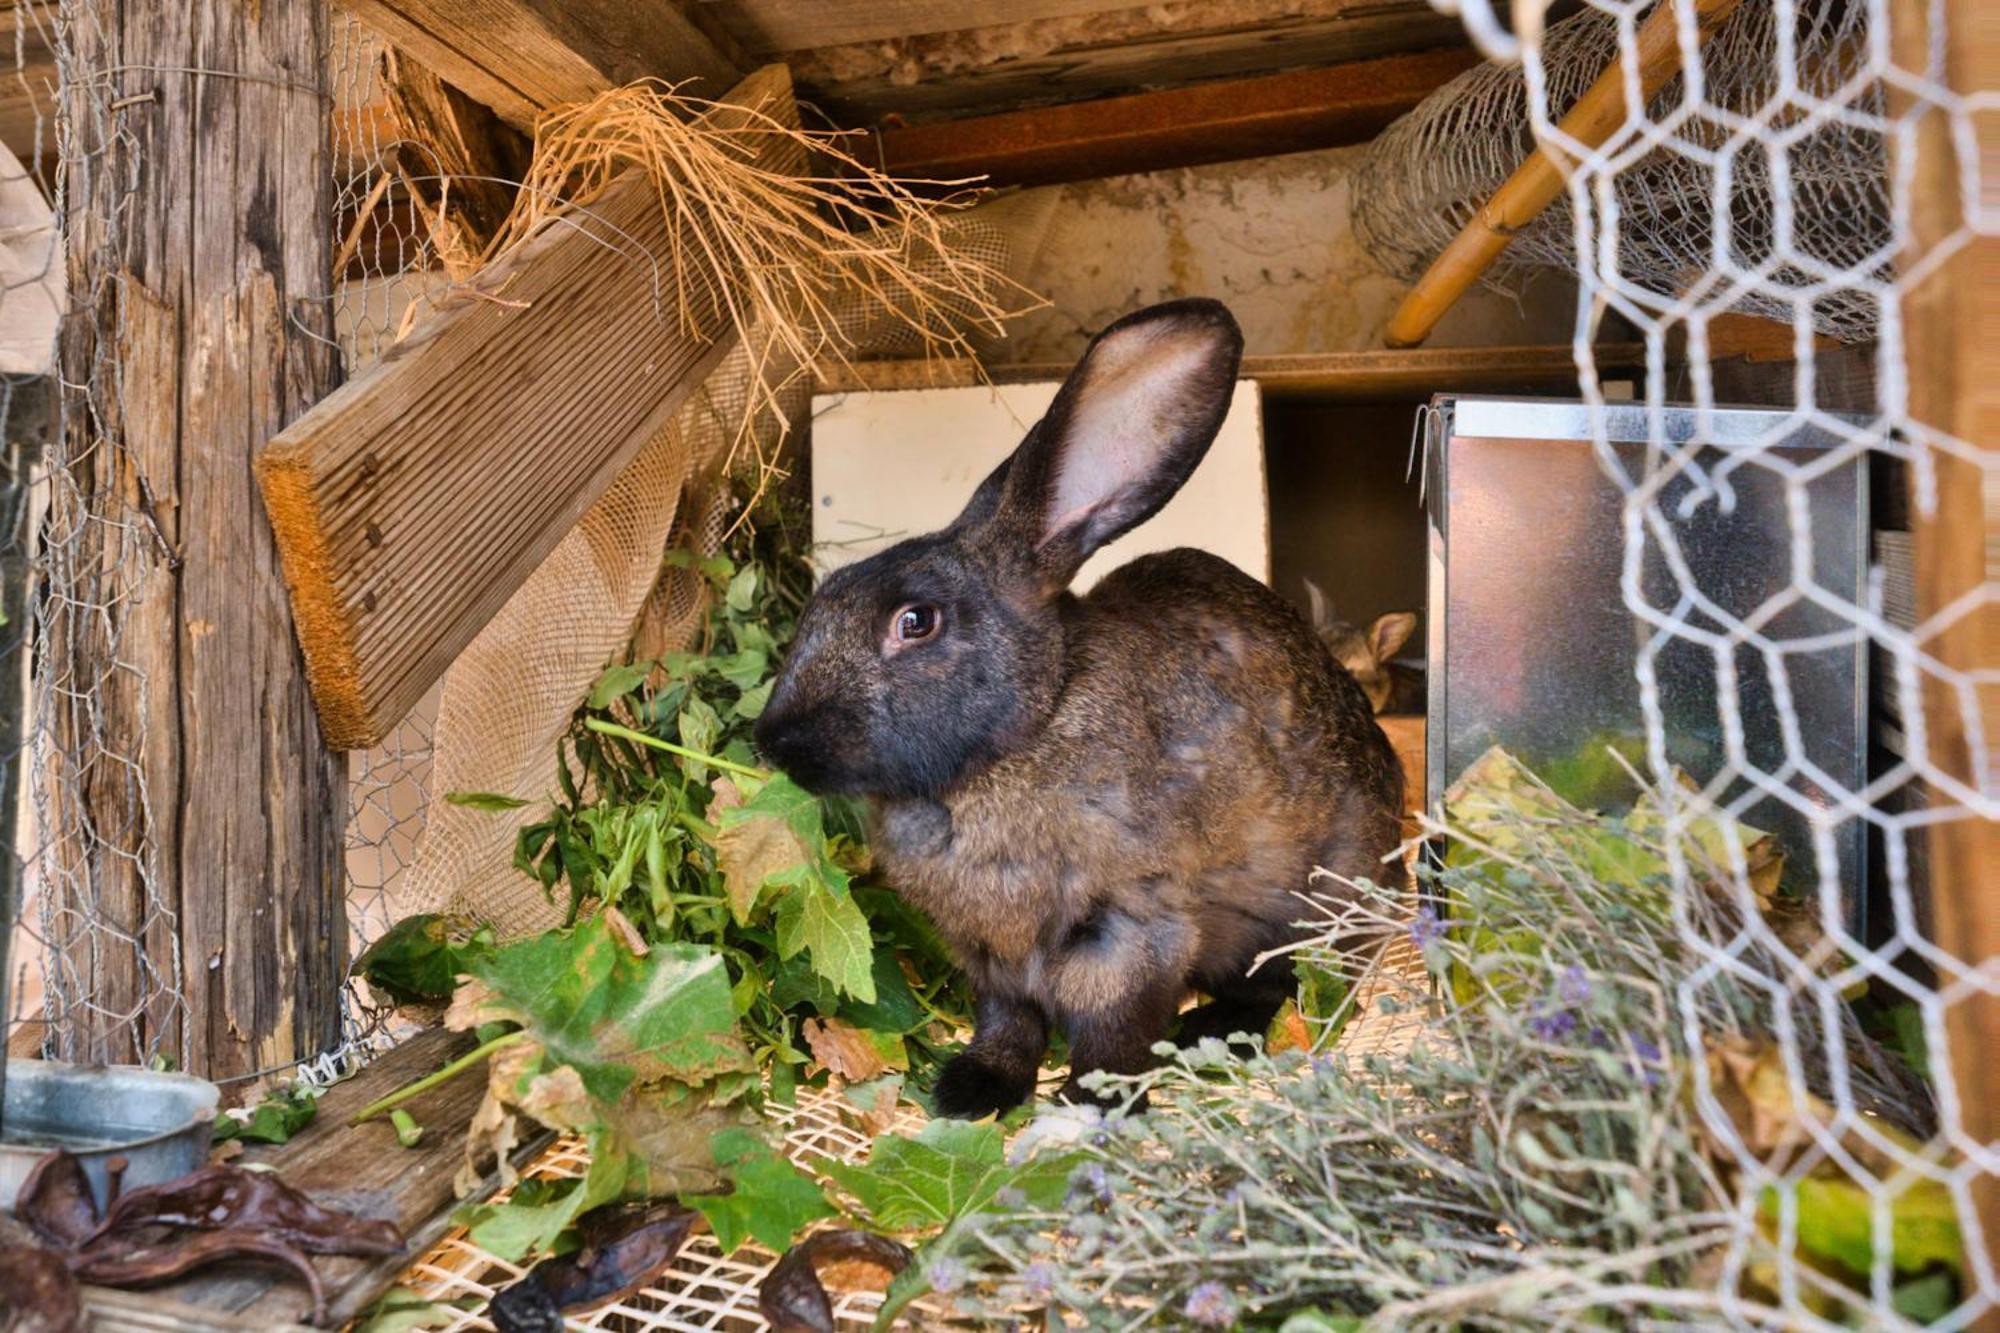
(427, 423)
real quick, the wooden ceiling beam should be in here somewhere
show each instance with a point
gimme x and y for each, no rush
(520, 57)
(1177, 127)
(1014, 65)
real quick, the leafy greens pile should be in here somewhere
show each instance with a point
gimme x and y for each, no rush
(721, 942)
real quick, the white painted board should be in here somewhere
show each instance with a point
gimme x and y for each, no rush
(886, 466)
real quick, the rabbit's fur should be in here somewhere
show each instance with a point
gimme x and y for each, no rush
(1102, 802)
(1369, 655)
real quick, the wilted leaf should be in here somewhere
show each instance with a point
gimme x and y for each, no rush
(1288, 1031)
(401, 1310)
(772, 1198)
(754, 843)
(853, 1053)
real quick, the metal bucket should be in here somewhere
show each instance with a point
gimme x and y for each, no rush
(159, 1123)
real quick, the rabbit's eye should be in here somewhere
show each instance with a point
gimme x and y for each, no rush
(914, 622)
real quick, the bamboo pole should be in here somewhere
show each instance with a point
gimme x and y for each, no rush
(1597, 115)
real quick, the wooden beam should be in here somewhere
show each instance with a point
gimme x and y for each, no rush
(1220, 121)
(959, 73)
(209, 924)
(412, 503)
(1350, 376)
(1951, 349)
(28, 85)
(772, 27)
(521, 57)
(456, 155)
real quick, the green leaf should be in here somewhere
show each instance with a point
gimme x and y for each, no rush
(758, 840)
(772, 1198)
(617, 682)
(422, 957)
(614, 1016)
(895, 1008)
(408, 1132)
(486, 800)
(751, 706)
(401, 1310)
(1836, 1222)
(742, 594)
(951, 1169)
(1926, 1300)
(273, 1120)
(698, 727)
(820, 917)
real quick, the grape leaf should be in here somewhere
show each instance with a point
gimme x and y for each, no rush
(618, 682)
(753, 843)
(772, 1198)
(819, 915)
(612, 1015)
(422, 957)
(952, 1168)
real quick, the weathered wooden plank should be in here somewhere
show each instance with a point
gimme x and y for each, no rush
(1218, 121)
(1951, 349)
(770, 27)
(360, 1169)
(1324, 375)
(950, 74)
(203, 333)
(521, 57)
(412, 503)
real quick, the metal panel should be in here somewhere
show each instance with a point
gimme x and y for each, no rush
(1533, 645)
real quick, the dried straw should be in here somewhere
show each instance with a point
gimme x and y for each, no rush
(784, 245)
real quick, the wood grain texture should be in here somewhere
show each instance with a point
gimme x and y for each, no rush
(1951, 331)
(359, 1169)
(521, 57)
(28, 84)
(1220, 121)
(1321, 375)
(769, 27)
(412, 503)
(207, 329)
(947, 75)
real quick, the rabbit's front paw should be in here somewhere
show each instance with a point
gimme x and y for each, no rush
(968, 1088)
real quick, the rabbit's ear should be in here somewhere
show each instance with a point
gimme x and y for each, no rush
(1390, 632)
(1322, 618)
(986, 499)
(1124, 432)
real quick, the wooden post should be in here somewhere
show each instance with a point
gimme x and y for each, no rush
(200, 240)
(1951, 352)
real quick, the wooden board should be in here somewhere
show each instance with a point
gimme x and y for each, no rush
(1317, 375)
(1951, 347)
(770, 27)
(413, 502)
(1220, 121)
(361, 1169)
(521, 57)
(861, 84)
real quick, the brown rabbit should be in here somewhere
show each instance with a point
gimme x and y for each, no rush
(1102, 802)
(1369, 655)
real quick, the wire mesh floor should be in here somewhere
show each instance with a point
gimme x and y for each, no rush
(704, 1289)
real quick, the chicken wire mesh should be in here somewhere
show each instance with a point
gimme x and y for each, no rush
(1777, 177)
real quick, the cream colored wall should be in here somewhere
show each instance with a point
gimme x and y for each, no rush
(1270, 237)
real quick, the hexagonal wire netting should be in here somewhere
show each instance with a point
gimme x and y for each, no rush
(1779, 178)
